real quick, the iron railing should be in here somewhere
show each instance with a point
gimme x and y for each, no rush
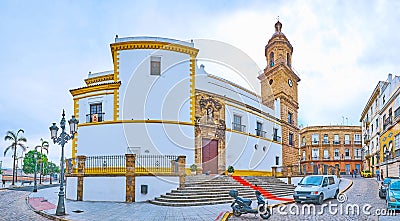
(260, 133)
(238, 127)
(99, 117)
(156, 164)
(105, 164)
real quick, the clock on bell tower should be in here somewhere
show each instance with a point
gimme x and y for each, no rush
(280, 81)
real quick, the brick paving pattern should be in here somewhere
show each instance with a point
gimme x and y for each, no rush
(13, 207)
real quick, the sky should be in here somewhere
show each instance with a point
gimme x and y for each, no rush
(341, 50)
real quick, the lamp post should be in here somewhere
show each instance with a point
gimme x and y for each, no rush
(62, 140)
(34, 176)
(387, 163)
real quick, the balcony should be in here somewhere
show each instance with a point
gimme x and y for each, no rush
(91, 118)
(347, 142)
(325, 142)
(276, 138)
(315, 158)
(260, 133)
(315, 142)
(387, 122)
(347, 157)
(326, 158)
(238, 127)
(302, 144)
(336, 158)
(357, 142)
(357, 158)
(367, 138)
(336, 142)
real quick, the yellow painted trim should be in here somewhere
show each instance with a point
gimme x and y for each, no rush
(153, 45)
(250, 173)
(192, 88)
(93, 95)
(137, 121)
(253, 112)
(252, 135)
(116, 105)
(94, 88)
(109, 77)
(74, 145)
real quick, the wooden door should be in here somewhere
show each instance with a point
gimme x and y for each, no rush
(210, 156)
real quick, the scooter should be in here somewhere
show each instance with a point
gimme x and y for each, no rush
(242, 206)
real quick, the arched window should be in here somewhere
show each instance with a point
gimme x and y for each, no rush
(288, 59)
(271, 59)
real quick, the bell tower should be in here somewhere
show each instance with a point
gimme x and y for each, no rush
(280, 82)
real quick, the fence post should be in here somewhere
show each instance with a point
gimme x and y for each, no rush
(274, 171)
(130, 177)
(81, 174)
(181, 171)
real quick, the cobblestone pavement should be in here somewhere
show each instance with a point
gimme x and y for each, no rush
(13, 207)
(363, 193)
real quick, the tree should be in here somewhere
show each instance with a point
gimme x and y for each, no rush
(43, 146)
(52, 168)
(29, 161)
(16, 141)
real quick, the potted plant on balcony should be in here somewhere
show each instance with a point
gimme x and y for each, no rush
(193, 169)
(231, 170)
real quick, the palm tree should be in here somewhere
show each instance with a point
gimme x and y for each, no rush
(43, 146)
(17, 141)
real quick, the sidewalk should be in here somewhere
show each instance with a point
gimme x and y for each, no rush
(45, 201)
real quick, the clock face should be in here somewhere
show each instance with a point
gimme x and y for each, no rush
(290, 83)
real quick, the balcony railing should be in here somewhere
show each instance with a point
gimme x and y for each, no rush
(336, 142)
(315, 142)
(315, 158)
(387, 122)
(99, 117)
(357, 142)
(397, 112)
(357, 157)
(326, 158)
(303, 144)
(347, 142)
(336, 158)
(238, 127)
(325, 142)
(347, 157)
(276, 138)
(260, 133)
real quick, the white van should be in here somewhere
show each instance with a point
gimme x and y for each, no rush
(316, 188)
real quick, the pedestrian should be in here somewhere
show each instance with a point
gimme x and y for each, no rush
(378, 176)
(352, 173)
(381, 174)
(355, 173)
(4, 183)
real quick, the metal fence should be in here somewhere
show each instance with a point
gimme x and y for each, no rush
(116, 165)
(156, 164)
(105, 164)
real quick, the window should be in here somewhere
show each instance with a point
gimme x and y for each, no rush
(155, 65)
(357, 153)
(237, 123)
(303, 141)
(357, 138)
(326, 141)
(315, 154)
(397, 145)
(289, 118)
(347, 152)
(96, 114)
(304, 155)
(383, 100)
(275, 135)
(336, 139)
(346, 139)
(376, 123)
(290, 139)
(271, 59)
(336, 152)
(331, 180)
(259, 129)
(288, 59)
(326, 154)
(372, 128)
(315, 139)
(276, 160)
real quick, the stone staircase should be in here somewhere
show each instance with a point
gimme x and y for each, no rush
(207, 190)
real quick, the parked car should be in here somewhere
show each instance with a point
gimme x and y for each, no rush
(393, 195)
(384, 184)
(366, 173)
(316, 188)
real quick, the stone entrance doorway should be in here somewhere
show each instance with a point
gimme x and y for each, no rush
(210, 156)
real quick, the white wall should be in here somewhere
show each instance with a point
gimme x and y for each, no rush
(152, 138)
(156, 186)
(145, 96)
(241, 152)
(71, 188)
(104, 189)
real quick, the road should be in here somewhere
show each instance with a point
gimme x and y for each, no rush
(13, 206)
(361, 203)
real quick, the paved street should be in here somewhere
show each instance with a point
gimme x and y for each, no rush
(364, 192)
(13, 206)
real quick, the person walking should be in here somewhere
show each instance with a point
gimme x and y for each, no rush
(355, 173)
(378, 176)
(381, 174)
(352, 173)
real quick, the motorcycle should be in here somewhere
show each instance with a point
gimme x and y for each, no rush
(242, 206)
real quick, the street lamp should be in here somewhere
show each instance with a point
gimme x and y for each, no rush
(62, 140)
(387, 162)
(34, 176)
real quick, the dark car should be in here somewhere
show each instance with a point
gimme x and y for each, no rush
(384, 184)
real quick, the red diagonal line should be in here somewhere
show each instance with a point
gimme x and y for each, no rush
(265, 193)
